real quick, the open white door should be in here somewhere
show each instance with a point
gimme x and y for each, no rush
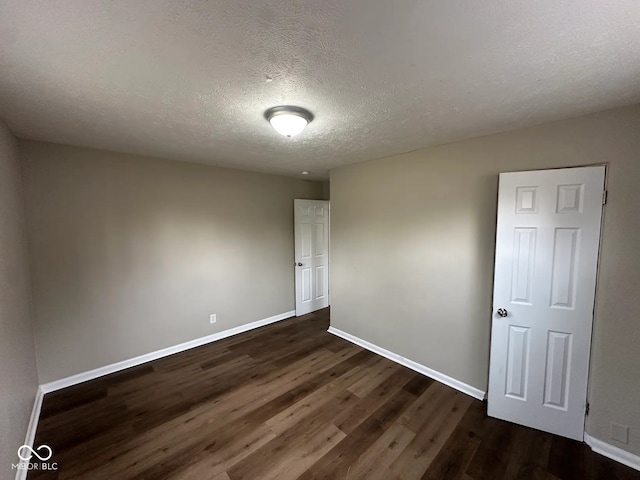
(547, 242)
(311, 225)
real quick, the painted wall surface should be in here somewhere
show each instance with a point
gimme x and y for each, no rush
(412, 244)
(18, 372)
(326, 191)
(130, 255)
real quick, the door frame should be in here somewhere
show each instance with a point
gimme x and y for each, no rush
(329, 252)
(595, 295)
(597, 280)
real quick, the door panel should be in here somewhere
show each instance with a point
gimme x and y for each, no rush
(311, 225)
(565, 248)
(320, 239)
(547, 242)
(518, 361)
(306, 285)
(320, 275)
(305, 241)
(523, 261)
(557, 369)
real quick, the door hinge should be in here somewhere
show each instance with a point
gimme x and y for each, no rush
(604, 197)
(586, 409)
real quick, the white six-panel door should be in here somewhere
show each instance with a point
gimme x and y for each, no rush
(311, 225)
(547, 243)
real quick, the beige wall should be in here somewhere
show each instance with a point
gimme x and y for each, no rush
(18, 374)
(130, 255)
(326, 191)
(412, 239)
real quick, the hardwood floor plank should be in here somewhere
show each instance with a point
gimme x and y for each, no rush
(375, 376)
(65, 400)
(217, 412)
(393, 408)
(373, 464)
(301, 390)
(307, 405)
(431, 437)
(299, 458)
(418, 385)
(529, 456)
(312, 429)
(338, 461)
(291, 401)
(212, 455)
(453, 459)
(422, 409)
(71, 428)
(492, 456)
(348, 420)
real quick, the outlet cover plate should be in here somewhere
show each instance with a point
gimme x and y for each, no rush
(620, 433)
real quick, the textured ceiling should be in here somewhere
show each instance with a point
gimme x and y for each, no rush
(190, 80)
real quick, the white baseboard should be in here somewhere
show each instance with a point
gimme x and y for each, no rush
(612, 452)
(429, 372)
(35, 415)
(31, 428)
(132, 362)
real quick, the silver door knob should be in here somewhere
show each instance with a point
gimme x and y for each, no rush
(299, 264)
(502, 312)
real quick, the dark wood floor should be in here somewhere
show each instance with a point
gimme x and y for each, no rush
(291, 401)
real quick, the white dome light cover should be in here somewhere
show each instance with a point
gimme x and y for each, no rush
(288, 121)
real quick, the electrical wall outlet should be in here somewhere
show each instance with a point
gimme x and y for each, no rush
(620, 433)
(212, 318)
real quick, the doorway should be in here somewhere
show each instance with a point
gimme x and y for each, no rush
(311, 227)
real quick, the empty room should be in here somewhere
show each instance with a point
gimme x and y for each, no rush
(320, 239)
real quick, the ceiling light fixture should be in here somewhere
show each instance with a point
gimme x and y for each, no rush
(305, 172)
(287, 120)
